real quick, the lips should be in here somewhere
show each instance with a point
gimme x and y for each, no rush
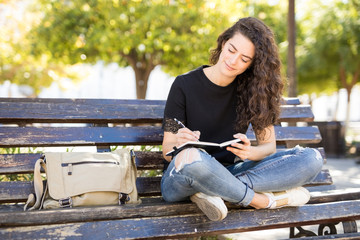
(228, 67)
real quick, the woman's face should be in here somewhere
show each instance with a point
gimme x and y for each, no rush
(236, 55)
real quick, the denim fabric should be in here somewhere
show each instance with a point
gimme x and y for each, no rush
(238, 182)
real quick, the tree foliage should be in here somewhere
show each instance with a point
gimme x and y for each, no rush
(142, 34)
(275, 16)
(332, 57)
(17, 63)
(330, 51)
(175, 34)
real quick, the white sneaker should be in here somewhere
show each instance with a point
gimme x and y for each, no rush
(290, 198)
(213, 207)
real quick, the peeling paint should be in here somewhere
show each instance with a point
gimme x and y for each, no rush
(60, 233)
(66, 231)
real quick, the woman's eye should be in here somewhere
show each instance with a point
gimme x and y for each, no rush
(231, 50)
(244, 61)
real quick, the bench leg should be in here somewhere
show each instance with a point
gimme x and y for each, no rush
(349, 227)
(302, 233)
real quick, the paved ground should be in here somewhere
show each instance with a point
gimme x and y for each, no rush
(346, 175)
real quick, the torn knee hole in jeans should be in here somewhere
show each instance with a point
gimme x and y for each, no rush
(186, 156)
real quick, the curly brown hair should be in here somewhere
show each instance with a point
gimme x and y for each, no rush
(260, 86)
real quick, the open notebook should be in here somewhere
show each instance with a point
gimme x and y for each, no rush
(203, 145)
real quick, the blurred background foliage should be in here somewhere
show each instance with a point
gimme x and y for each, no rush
(42, 41)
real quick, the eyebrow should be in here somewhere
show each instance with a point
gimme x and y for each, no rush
(241, 54)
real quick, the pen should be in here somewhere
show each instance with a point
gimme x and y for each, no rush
(180, 123)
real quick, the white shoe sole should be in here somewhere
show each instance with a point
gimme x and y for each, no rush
(213, 207)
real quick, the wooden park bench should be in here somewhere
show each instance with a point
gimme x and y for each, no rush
(31, 124)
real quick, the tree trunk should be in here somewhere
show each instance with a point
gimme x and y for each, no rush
(291, 64)
(348, 87)
(142, 78)
(142, 66)
(334, 117)
(347, 118)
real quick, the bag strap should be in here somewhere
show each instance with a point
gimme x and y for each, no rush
(34, 201)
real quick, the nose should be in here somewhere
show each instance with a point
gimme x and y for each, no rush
(234, 58)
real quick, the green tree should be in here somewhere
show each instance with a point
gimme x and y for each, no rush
(331, 56)
(17, 64)
(275, 15)
(142, 34)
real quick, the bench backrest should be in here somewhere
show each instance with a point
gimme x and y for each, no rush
(105, 123)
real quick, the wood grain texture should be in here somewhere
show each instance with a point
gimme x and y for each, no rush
(190, 225)
(42, 110)
(12, 215)
(18, 191)
(108, 122)
(139, 135)
(145, 160)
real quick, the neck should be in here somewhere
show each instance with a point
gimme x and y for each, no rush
(215, 76)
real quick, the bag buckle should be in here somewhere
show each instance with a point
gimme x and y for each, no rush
(123, 198)
(65, 202)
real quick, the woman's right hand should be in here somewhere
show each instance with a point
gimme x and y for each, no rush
(172, 140)
(185, 135)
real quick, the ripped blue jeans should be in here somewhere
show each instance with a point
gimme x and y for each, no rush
(197, 171)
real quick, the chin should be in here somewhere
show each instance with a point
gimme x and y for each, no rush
(231, 74)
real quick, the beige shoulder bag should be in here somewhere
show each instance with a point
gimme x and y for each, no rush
(84, 179)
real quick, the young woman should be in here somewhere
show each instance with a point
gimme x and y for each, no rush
(217, 103)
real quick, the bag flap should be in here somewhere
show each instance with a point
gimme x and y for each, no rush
(74, 173)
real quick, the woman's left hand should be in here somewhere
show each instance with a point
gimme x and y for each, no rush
(242, 149)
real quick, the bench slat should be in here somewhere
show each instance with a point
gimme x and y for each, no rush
(323, 178)
(18, 191)
(155, 209)
(13, 215)
(196, 224)
(149, 135)
(92, 101)
(25, 110)
(290, 101)
(81, 111)
(18, 163)
(335, 196)
(301, 113)
(24, 163)
(15, 191)
(79, 136)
